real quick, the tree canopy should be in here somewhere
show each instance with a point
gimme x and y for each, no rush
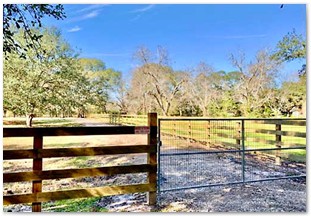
(291, 47)
(26, 17)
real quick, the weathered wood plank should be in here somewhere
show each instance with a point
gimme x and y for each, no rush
(72, 152)
(152, 157)
(264, 131)
(68, 131)
(80, 193)
(278, 144)
(77, 173)
(282, 122)
(18, 154)
(37, 167)
(278, 132)
(294, 134)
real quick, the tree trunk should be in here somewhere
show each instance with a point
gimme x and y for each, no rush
(29, 120)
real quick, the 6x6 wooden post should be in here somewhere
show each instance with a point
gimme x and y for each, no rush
(152, 157)
(37, 166)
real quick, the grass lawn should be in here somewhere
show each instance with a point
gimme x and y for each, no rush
(48, 122)
(76, 205)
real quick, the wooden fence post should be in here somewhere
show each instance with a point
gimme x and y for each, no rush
(238, 136)
(152, 157)
(278, 142)
(37, 166)
(189, 132)
(208, 132)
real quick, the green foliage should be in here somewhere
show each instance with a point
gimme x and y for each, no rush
(26, 17)
(43, 123)
(92, 64)
(54, 81)
(48, 81)
(292, 95)
(102, 82)
(291, 47)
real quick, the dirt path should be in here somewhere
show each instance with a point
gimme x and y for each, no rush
(88, 122)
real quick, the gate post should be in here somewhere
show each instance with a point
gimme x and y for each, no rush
(238, 136)
(278, 142)
(37, 166)
(208, 132)
(243, 148)
(152, 157)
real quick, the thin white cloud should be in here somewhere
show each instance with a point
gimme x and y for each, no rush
(135, 18)
(92, 7)
(89, 15)
(140, 12)
(75, 29)
(144, 9)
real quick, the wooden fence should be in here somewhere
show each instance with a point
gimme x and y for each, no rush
(38, 153)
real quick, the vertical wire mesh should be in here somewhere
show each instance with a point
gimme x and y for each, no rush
(192, 153)
(269, 160)
(202, 152)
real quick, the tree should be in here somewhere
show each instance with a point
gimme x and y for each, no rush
(291, 47)
(292, 94)
(212, 91)
(159, 80)
(256, 82)
(26, 17)
(103, 82)
(46, 81)
(122, 97)
(201, 90)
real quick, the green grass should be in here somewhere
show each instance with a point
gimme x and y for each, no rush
(74, 205)
(41, 123)
(82, 162)
(296, 155)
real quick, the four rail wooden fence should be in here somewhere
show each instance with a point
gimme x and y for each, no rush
(38, 153)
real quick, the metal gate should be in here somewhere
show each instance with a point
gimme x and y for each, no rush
(200, 152)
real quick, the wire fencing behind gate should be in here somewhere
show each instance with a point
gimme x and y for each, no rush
(206, 152)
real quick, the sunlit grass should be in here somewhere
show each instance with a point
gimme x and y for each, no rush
(74, 205)
(49, 122)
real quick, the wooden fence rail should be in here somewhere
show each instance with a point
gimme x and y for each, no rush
(38, 153)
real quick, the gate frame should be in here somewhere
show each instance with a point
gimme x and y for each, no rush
(278, 123)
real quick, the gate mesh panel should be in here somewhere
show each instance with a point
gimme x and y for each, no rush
(203, 152)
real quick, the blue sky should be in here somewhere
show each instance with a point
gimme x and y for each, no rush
(190, 33)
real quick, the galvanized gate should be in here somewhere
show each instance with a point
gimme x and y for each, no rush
(200, 152)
